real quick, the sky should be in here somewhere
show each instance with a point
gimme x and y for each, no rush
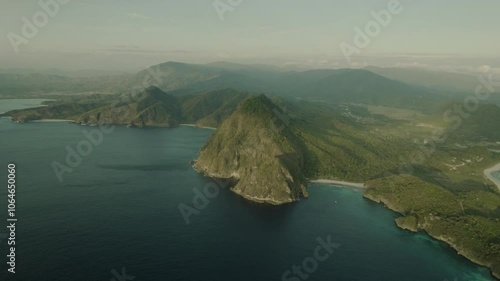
(129, 35)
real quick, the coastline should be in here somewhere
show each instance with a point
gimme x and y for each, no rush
(73, 121)
(386, 204)
(488, 173)
(341, 183)
(51, 120)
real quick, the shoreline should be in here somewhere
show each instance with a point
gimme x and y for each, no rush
(196, 126)
(460, 252)
(341, 183)
(488, 173)
(73, 121)
(51, 120)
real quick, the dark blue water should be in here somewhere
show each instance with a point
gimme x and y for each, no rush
(118, 210)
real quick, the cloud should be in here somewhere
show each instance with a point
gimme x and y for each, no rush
(137, 16)
(484, 69)
(137, 49)
(411, 64)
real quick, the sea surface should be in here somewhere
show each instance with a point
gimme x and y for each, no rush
(117, 212)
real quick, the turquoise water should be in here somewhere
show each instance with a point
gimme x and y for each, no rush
(496, 174)
(119, 209)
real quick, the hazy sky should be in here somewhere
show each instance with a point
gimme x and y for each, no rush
(132, 34)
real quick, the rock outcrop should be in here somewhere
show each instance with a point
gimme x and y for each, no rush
(264, 159)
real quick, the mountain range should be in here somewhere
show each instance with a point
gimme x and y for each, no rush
(404, 88)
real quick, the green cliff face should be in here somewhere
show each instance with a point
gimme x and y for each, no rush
(265, 160)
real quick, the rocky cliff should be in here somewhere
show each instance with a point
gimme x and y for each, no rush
(266, 160)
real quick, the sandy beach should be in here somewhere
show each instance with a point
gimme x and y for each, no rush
(488, 174)
(196, 126)
(342, 183)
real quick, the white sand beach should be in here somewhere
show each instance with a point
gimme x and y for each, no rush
(489, 174)
(342, 183)
(196, 126)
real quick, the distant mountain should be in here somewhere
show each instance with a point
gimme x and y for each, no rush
(428, 78)
(181, 79)
(362, 86)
